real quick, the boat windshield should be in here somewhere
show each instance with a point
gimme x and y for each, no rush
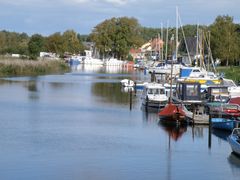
(237, 132)
(156, 91)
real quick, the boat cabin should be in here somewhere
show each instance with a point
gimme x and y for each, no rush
(217, 94)
(154, 89)
(188, 91)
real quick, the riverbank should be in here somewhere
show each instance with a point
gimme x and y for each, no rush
(19, 67)
(231, 72)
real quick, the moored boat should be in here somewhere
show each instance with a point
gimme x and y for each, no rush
(127, 83)
(223, 123)
(173, 113)
(154, 96)
(234, 140)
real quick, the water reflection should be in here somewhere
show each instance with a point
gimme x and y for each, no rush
(78, 125)
(150, 117)
(110, 93)
(101, 69)
(221, 134)
(32, 90)
(175, 131)
(234, 161)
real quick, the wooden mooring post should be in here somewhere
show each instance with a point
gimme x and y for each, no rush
(135, 88)
(210, 131)
(130, 100)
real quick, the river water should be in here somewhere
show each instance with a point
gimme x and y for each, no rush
(79, 125)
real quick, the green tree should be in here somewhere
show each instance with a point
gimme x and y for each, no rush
(115, 37)
(71, 42)
(224, 39)
(54, 43)
(36, 44)
(11, 42)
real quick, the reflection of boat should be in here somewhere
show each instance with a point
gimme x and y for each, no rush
(221, 134)
(223, 123)
(127, 89)
(234, 140)
(154, 96)
(234, 161)
(174, 131)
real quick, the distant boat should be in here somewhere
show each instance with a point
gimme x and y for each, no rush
(223, 123)
(127, 83)
(75, 60)
(234, 140)
(113, 62)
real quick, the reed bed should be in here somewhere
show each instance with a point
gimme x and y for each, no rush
(19, 67)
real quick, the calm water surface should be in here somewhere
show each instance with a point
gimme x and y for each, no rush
(79, 126)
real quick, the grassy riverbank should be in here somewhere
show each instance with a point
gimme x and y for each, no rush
(18, 67)
(231, 72)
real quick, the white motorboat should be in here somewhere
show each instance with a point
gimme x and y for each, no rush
(127, 83)
(154, 96)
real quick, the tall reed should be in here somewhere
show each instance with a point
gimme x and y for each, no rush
(18, 67)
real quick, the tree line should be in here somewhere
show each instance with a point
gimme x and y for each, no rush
(116, 36)
(21, 43)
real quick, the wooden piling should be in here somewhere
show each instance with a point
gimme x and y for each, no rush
(210, 132)
(135, 88)
(130, 100)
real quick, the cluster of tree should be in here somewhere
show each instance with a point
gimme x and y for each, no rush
(11, 42)
(69, 41)
(116, 36)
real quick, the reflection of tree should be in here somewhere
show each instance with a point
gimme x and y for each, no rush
(32, 86)
(32, 89)
(110, 92)
(57, 85)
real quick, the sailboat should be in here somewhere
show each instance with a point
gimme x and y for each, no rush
(173, 113)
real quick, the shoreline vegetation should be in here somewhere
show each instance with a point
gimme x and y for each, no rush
(19, 67)
(230, 72)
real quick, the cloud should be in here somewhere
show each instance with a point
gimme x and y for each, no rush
(46, 2)
(57, 15)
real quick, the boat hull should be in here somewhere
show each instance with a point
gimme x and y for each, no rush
(173, 119)
(154, 104)
(234, 142)
(172, 113)
(223, 124)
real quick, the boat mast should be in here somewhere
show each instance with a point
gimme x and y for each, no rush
(209, 37)
(176, 33)
(196, 63)
(162, 41)
(166, 41)
(159, 48)
(171, 76)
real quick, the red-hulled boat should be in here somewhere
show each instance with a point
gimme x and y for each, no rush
(172, 113)
(235, 100)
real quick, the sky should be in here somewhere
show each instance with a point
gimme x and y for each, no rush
(49, 16)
